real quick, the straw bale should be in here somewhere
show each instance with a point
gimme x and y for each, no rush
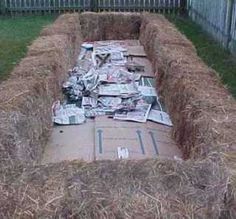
(52, 66)
(24, 121)
(202, 110)
(47, 44)
(117, 189)
(66, 24)
(164, 32)
(108, 26)
(26, 97)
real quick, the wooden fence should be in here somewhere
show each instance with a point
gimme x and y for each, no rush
(16, 7)
(218, 18)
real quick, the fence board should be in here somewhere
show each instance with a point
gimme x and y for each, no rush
(232, 43)
(218, 18)
(47, 6)
(59, 6)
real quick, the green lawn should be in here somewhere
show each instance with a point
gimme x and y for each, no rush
(15, 35)
(210, 51)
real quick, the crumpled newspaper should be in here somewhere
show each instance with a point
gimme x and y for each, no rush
(68, 114)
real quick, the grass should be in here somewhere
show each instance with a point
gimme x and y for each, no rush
(210, 51)
(15, 35)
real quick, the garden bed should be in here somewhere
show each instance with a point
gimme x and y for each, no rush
(202, 111)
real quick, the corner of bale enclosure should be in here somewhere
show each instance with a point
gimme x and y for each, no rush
(108, 26)
(199, 105)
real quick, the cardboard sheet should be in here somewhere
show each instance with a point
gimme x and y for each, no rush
(71, 142)
(148, 66)
(137, 51)
(142, 141)
(110, 135)
(101, 139)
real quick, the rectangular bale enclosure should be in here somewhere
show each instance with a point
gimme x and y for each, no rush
(202, 111)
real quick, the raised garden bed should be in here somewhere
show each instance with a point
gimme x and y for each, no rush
(202, 111)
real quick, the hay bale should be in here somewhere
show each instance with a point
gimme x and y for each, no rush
(52, 66)
(25, 105)
(24, 121)
(67, 25)
(117, 189)
(194, 90)
(108, 26)
(47, 44)
(155, 25)
(201, 109)
(26, 98)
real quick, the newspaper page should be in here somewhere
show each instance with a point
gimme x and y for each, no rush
(160, 117)
(140, 114)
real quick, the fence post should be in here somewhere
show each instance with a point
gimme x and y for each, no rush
(229, 21)
(2, 7)
(189, 8)
(94, 5)
(183, 7)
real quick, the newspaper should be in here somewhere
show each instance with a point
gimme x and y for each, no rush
(110, 53)
(147, 91)
(90, 79)
(89, 101)
(119, 76)
(160, 117)
(110, 101)
(109, 90)
(87, 45)
(147, 81)
(117, 58)
(140, 114)
(68, 114)
(118, 89)
(109, 104)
